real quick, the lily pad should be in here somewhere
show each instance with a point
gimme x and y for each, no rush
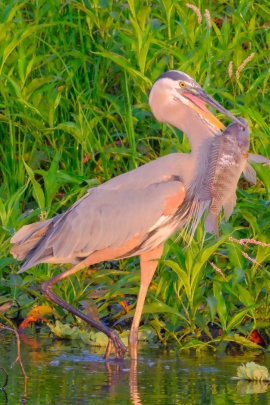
(65, 331)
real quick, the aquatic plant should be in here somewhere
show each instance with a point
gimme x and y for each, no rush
(253, 372)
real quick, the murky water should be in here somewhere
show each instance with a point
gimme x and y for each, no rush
(72, 373)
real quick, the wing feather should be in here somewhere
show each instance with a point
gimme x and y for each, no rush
(103, 218)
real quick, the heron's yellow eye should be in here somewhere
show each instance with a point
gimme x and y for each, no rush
(182, 85)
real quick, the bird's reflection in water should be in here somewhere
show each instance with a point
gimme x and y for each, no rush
(116, 372)
(133, 384)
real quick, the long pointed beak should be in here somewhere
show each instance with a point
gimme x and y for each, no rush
(199, 96)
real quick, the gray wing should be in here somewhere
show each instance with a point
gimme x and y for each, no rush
(102, 219)
(107, 215)
(156, 171)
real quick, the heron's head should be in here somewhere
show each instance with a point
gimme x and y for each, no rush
(177, 99)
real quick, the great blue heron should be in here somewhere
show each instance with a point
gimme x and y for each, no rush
(132, 214)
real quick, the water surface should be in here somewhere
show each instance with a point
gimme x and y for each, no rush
(68, 372)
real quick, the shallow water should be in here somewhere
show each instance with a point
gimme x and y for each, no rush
(66, 372)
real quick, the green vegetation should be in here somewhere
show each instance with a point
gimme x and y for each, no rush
(74, 86)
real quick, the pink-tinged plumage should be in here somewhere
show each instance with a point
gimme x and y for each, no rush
(134, 213)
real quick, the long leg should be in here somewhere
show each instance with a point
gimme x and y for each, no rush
(47, 289)
(149, 262)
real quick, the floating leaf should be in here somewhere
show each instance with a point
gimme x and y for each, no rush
(98, 339)
(95, 339)
(65, 331)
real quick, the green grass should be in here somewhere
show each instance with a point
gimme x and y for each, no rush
(74, 112)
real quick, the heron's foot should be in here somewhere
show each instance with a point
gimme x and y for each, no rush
(119, 347)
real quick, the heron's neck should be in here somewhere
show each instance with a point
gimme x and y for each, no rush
(197, 131)
(201, 138)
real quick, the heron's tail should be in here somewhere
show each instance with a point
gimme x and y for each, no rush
(27, 238)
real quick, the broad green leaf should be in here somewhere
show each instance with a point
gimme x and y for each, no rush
(212, 303)
(246, 298)
(237, 318)
(196, 344)
(221, 305)
(203, 257)
(182, 274)
(154, 308)
(241, 340)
